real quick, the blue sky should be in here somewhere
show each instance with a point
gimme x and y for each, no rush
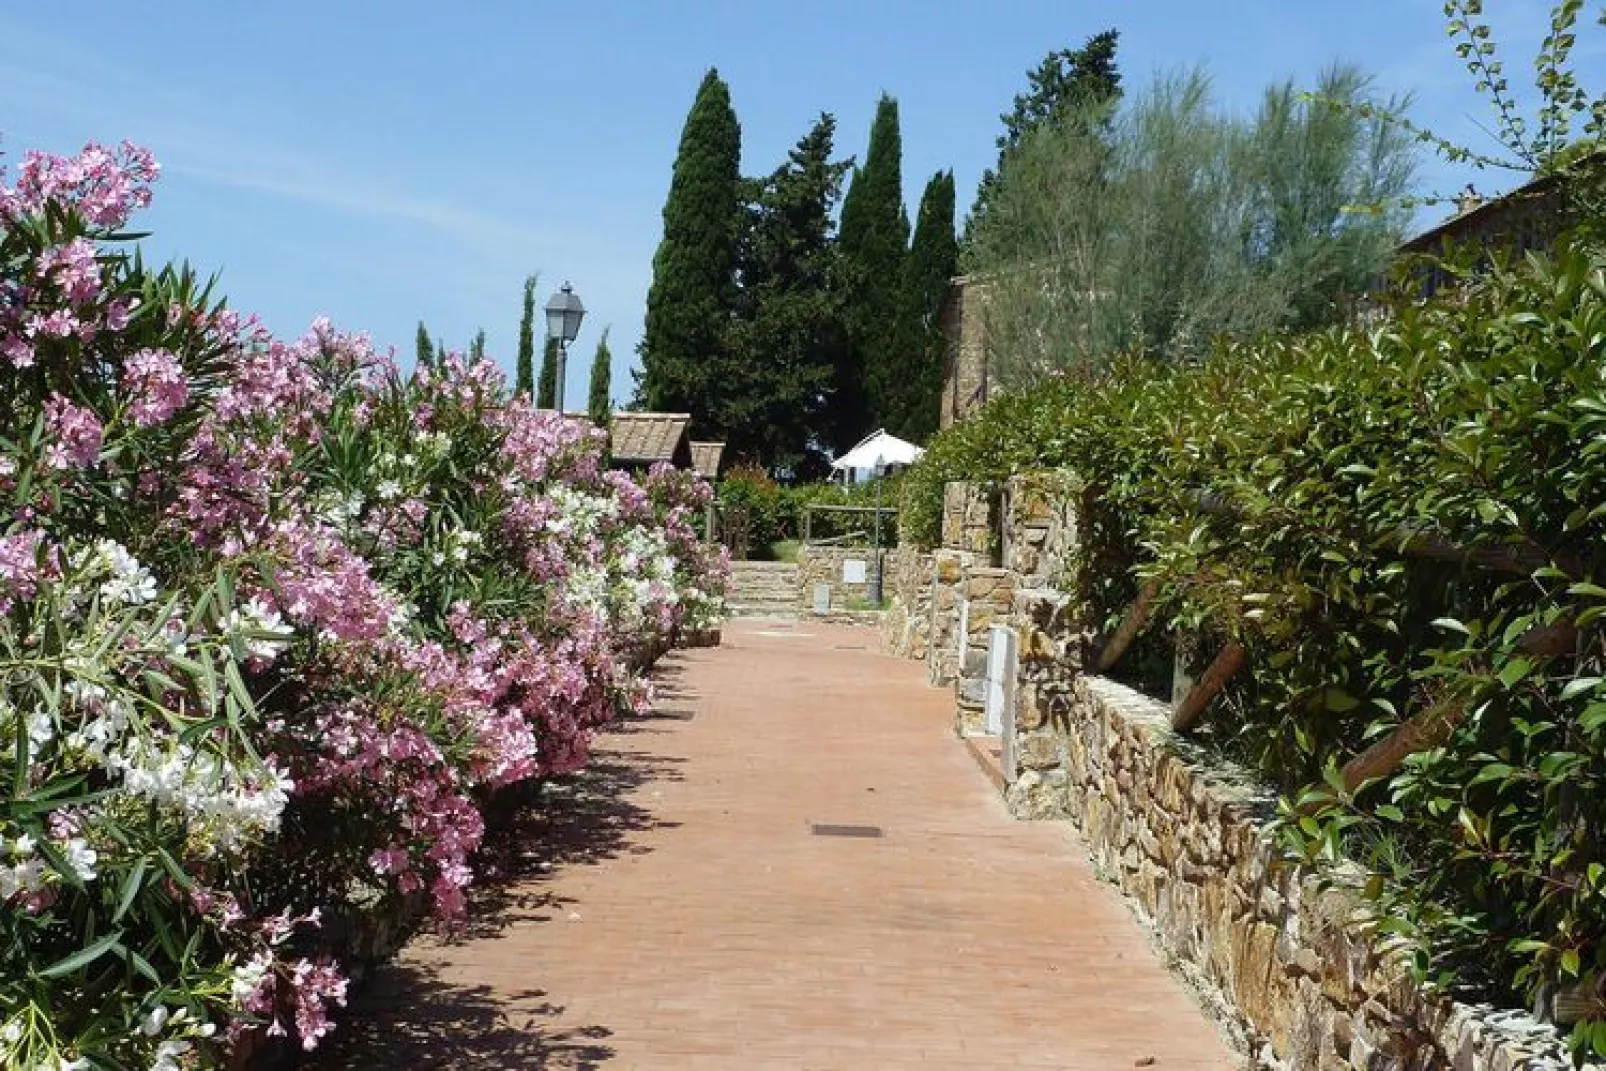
(382, 163)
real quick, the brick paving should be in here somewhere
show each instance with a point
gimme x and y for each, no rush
(672, 909)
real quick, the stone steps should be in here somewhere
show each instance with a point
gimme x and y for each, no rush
(762, 589)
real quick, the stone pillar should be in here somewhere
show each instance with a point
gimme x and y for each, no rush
(990, 596)
(1037, 763)
(942, 650)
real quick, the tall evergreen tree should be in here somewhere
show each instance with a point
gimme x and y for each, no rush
(599, 400)
(424, 346)
(546, 394)
(874, 242)
(476, 348)
(684, 359)
(933, 260)
(1062, 87)
(788, 332)
(525, 378)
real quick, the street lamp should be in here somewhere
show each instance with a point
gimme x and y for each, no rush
(563, 315)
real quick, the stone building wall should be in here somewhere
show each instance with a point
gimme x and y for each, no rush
(906, 625)
(823, 565)
(965, 385)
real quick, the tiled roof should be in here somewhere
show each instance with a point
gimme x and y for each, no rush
(642, 438)
(705, 459)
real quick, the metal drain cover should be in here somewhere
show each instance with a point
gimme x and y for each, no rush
(820, 829)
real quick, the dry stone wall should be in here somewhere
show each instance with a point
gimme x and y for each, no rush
(1289, 959)
(824, 565)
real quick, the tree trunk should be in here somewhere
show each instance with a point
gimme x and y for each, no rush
(1227, 663)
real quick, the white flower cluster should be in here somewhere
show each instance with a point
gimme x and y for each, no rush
(107, 719)
(125, 579)
(338, 510)
(204, 787)
(579, 514)
(460, 543)
(247, 978)
(23, 869)
(169, 1055)
(260, 628)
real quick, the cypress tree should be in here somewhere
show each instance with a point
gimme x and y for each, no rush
(476, 349)
(874, 242)
(424, 347)
(525, 378)
(789, 331)
(547, 388)
(684, 360)
(1063, 86)
(599, 400)
(933, 260)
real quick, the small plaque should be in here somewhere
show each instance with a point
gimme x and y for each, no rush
(853, 571)
(822, 598)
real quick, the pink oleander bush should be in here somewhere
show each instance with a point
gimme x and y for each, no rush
(277, 621)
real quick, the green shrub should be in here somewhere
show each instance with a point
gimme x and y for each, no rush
(1305, 497)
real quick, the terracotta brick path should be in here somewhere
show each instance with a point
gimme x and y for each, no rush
(672, 909)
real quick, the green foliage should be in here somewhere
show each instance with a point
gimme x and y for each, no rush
(787, 328)
(1300, 495)
(874, 242)
(424, 347)
(546, 391)
(684, 358)
(599, 399)
(916, 396)
(1167, 224)
(1068, 86)
(1565, 138)
(524, 382)
(774, 513)
(476, 348)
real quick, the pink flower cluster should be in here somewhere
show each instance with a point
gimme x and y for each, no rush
(74, 435)
(156, 386)
(424, 591)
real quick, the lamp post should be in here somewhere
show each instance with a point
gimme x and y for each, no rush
(563, 315)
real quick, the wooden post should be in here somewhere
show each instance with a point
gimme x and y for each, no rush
(1137, 615)
(1431, 727)
(1227, 663)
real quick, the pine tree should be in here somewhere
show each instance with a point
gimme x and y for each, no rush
(933, 260)
(874, 242)
(525, 378)
(1064, 85)
(684, 359)
(425, 347)
(547, 388)
(789, 329)
(476, 348)
(599, 400)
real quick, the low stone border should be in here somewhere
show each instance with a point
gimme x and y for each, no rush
(1185, 836)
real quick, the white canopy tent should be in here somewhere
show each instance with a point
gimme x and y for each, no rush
(875, 452)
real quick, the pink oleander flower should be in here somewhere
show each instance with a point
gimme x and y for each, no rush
(75, 435)
(103, 185)
(22, 566)
(156, 385)
(74, 269)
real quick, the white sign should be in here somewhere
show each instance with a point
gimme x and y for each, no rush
(853, 571)
(1000, 677)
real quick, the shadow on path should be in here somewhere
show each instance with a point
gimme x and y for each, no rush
(410, 1017)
